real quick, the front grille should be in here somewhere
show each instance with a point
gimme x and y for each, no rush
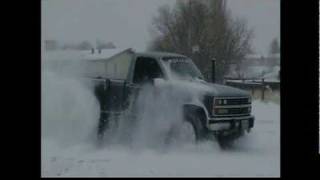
(237, 106)
(237, 101)
(232, 111)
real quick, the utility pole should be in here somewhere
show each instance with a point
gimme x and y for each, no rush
(213, 78)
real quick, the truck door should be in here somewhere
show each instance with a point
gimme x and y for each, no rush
(145, 70)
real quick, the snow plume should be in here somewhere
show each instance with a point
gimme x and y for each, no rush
(159, 116)
(159, 112)
(69, 110)
(160, 119)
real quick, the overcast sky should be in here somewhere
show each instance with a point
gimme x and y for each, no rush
(128, 22)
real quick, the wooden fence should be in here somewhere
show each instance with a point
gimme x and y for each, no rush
(259, 88)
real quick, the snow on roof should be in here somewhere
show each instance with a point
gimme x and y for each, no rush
(84, 55)
(105, 54)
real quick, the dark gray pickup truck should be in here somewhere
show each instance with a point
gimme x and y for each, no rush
(221, 111)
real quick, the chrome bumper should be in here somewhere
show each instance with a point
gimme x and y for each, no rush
(230, 123)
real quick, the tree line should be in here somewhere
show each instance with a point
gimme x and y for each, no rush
(84, 45)
(202, 30)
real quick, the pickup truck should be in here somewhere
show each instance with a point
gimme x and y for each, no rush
(221, 111)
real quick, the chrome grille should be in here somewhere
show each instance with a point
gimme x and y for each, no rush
(234, 106)
(232, 111)
(233, 101)
(239, 101)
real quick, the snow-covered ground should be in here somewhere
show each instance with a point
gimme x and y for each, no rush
(257, 154)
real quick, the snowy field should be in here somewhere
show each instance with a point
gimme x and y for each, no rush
(256, 155)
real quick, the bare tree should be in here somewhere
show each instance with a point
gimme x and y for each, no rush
(103, 45)
(205, 24)
(84, 45)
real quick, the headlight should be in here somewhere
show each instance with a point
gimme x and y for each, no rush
(225, 102)
(220, 102)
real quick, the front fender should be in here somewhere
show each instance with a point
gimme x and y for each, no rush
(198, 110)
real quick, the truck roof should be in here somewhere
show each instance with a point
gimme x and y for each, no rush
(159, 54)
(104, 54)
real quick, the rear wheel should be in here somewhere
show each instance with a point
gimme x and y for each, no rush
(102, 126)
(106, 126)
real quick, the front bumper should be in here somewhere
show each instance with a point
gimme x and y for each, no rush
(230, 123)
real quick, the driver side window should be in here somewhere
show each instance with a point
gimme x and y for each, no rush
(146, 69)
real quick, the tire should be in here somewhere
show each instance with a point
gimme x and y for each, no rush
(102, 126)
(196, 119)
(226, 141)
(185, 133)
(191, 130)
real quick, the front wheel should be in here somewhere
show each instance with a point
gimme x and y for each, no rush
(186, 133)
(196, 120)
(226, 141)
(190, 130)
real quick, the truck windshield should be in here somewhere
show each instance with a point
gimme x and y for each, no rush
(184, 68)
